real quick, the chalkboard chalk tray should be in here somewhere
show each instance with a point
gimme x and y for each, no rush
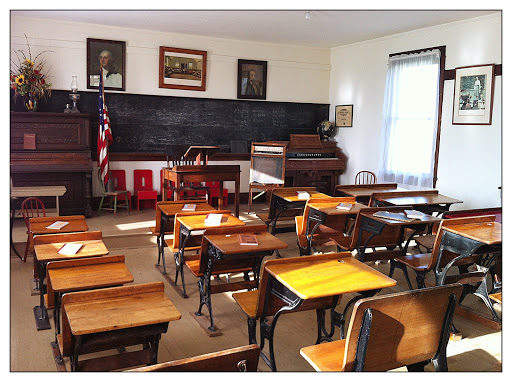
(147, 123)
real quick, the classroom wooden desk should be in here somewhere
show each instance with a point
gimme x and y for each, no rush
(180, 174)
(167, 212)
(285, 199)
(320, 213)
(465, 240)
(363, 192)
(38, 226)
(191, 223)
(428, 201)
(83, 274)
(372, 226)
(109, 318)
(295, 283)
(37, 191)
(45, 253)
(225, 251)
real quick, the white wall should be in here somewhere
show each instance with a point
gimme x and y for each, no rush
(295, 74)
(469, 156)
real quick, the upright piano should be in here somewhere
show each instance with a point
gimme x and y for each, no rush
(311, 162)
(53, 149)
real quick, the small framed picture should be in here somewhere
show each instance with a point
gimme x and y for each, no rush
(112, 56)
(343, 115)
(183, 69)
(473, 95)
(252, 79)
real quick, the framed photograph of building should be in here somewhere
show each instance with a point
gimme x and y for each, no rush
(183, 69)
(252, 79)
(473, 95)
(112, 56)
(343, 115)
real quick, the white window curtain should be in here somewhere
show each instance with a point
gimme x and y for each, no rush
(411, 103)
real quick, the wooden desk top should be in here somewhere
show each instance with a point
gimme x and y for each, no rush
(197, 222)
(330, 208)
(332, 277)
(49, 252)
(89, 277)
(18, 192)
(229, 244)
(291, 195)
(364, 190)
(418, 200)
(487, 233)
(118, 308)
(424, 219)
(173, 209)
(76, 224)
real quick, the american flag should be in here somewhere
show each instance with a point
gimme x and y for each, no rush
(104, 133)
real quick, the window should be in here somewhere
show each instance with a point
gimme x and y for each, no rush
(410, 124)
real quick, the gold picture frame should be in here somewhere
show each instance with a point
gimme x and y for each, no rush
(183, 69)
(343, 115)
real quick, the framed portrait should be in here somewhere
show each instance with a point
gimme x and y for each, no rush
(343, 115)
(474, 93)
(112, 55)
(252, 79)
(183, 69)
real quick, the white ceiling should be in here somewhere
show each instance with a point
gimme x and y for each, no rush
(324, 29)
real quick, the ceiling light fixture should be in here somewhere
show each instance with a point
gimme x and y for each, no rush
(308, 16)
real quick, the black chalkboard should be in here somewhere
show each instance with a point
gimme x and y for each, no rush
(146, 123)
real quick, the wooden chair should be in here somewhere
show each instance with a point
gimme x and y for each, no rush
(143, 186)
(120, 193)
(31, 208)
(387, 332)
(228, 266)
(423, 263)
(243, 358)
(332, 232)
(252, 302)
(193, 244)
(365, 177)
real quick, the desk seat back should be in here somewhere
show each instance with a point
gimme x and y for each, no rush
(406, 328)
(233, 263)
(276, 303)
(177, 224)
(243, 358)
(67, 237)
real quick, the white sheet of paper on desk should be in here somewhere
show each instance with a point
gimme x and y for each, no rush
(213, 220)
(302, 195)
(70, 249)
(57, 225)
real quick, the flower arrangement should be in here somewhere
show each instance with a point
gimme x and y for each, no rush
(28, 79)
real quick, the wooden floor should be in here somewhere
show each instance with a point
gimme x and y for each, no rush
(479, 350)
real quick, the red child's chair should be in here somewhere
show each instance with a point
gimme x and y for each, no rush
(215, 191)
(143, 186)
(119, 177)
